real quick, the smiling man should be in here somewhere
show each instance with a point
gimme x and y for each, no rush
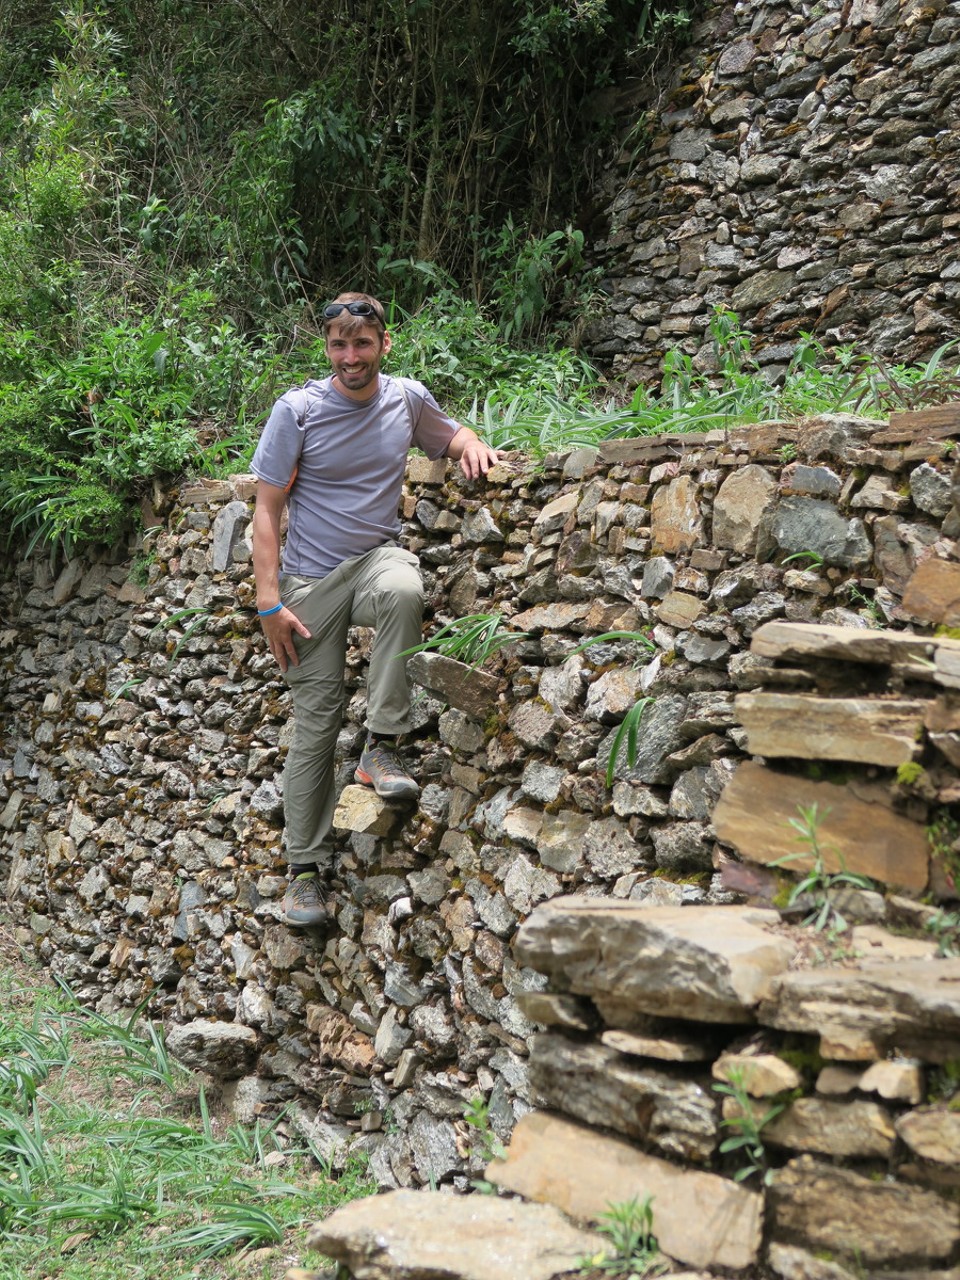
(334, 453)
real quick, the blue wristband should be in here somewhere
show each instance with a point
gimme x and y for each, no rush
(265, 613)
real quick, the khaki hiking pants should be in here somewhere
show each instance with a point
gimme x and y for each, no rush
(380, 589)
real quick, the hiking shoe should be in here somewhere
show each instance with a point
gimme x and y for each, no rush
(381, 768)
(304, 905)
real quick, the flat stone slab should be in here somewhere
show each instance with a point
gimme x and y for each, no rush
(425, 1235)
(794, 641)
(756, 808)
(859, 1218)
(699, 1218)
(361, 809)
(883, 731)
(868, 1013)
(711, 964)
(648, 1103)
(857, 1129)
(464, 687)
(673, 1048)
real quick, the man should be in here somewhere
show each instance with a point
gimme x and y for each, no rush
(334, 452)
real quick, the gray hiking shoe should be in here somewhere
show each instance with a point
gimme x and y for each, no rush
(381, 768)
(304, 903)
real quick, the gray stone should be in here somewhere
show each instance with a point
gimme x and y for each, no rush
(525, 885)
(806, 524)
(480, 526)
(420, 1235)
(228, 527)
(930, 490)
(391, 1039)
(601, 1087)
(542, 781)
(658, 575)
(225, 1050)
(560, 841)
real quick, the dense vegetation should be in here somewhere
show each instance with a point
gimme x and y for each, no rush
(181, 181)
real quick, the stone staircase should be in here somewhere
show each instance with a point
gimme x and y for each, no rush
(669, 1031)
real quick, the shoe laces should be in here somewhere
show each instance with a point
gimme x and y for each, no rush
(307, 891)
(387, 759)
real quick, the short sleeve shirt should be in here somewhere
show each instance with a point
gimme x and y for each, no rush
(342, 464)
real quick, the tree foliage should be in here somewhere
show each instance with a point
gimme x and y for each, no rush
(180, 180)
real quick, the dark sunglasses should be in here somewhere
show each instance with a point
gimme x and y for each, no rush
(333, 309)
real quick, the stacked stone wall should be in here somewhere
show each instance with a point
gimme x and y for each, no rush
(145, 728)
(799, 164)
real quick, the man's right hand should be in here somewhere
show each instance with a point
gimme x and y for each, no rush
(279, 628)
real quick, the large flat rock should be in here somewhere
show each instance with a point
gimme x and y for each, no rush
(885, 731)
(710, 964)
(794, 641)
(698, 1218)
(651, 1104)
(864, 1014)
(425, 1235)
(860, 1218)
(858, 830)
(464, 687)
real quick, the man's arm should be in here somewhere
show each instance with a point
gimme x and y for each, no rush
(475, 457)
(279, 627)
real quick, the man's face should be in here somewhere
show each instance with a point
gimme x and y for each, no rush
(356, 357)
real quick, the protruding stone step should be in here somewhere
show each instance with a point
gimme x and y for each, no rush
(863, 1014)
(866, 1221)
(756, 810)
(698, 1218)
(707, 963)
(425, 1235)
(803, 726)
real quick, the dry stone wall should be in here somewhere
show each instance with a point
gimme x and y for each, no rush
(800, 164)
(145, 728)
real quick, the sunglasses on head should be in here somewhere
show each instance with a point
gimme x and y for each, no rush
(331, 311)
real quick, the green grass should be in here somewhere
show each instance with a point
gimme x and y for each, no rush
(736, 391)
(113, 1163)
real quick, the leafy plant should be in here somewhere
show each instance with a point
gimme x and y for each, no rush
(945, 927)
(814, 558)
(628, 730)
(231, 1226)
(201, 618)
(626, 736)
(638, 636)
(817, 883)
(471, 639)
(487, 1145)
(632, 1249)
(747, 1124)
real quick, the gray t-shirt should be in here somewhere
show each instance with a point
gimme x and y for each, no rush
(342, 464)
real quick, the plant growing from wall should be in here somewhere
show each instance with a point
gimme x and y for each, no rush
(486, 1145)
(817, 884)
(629, 728)
(471, 639)
(632, 1251)
(945, 927)
(746, 1126)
